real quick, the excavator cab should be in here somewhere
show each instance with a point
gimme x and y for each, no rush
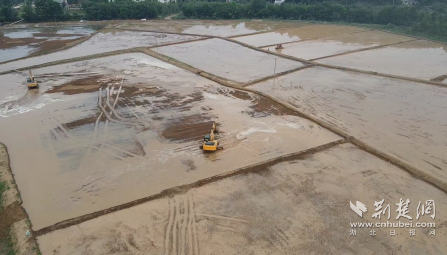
(209, 144)
(32, 83)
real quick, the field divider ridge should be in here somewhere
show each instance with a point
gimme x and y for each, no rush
(181, 189)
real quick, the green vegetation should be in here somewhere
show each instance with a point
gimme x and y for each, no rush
(416, 20)
(6, 246)
(127, 9)
(7, 13)
(49, 10)
(3, 188)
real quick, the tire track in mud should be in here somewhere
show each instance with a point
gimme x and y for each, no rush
(181, 231)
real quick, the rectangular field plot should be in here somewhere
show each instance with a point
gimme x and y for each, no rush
(18, 43)
(104, 132)
(207, 27)
(280, 209)
(418, 59)
(319, 48)
(401, 118)
(105, 41)
(228, 60)
(282, 36)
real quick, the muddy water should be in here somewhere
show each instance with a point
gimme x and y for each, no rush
(207, 27)
(17, 43)
(398, 117)
(97, 140)
(105, 41)
(282, 36)
(228, 60)
(303, 32)
(417, 59)
(264, 212)
(338, 44)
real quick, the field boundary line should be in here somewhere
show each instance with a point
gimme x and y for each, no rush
(52, 51)
(181, 189)
(340, 67)
(275, 75)
(318, 38)
(364, 49)
(264, 32)
(158, 32)
(22, 244)
(416, 172)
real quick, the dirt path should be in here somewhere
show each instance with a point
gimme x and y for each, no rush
(170, 16)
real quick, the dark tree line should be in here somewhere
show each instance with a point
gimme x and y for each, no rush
(49, 10)
(127, 9)
(7, 13)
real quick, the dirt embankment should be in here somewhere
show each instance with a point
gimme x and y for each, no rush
(13, 218)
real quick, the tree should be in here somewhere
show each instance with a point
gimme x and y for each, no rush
(28, 13)
(48, 10)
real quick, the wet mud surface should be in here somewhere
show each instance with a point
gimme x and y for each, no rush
(338, 44)
(228, 60)
(398, 117)
(288, 207)
(8, 216)
(207, 27)
(398, 59)
(105, 41)
(104, 132)
(282, 36)
(309, 32)
(17, 43)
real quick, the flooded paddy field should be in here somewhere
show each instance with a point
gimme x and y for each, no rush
(22, 42)
(319, 48)
(105, 41)
(221, 28)
(298, 33)
(417, 59)
(402, 118)
(228, 60)
(107, 131)
(279, 209)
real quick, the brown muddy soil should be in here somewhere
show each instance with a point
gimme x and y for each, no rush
(188, 128)
(295, 205)
(228, 60)
(108, 131)
(8, 216)
(398, 59)
(262, 106)
(85, 85)
(17, 43)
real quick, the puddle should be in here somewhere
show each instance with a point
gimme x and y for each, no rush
(338, 44)
(418, 59)
(402, 118)
(16, 52)
(107, 40)
(17, 43)
(228, 60)
(267, 38)
(117, 126)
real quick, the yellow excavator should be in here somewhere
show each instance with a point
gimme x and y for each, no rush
(209, 143)
(32, 83)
